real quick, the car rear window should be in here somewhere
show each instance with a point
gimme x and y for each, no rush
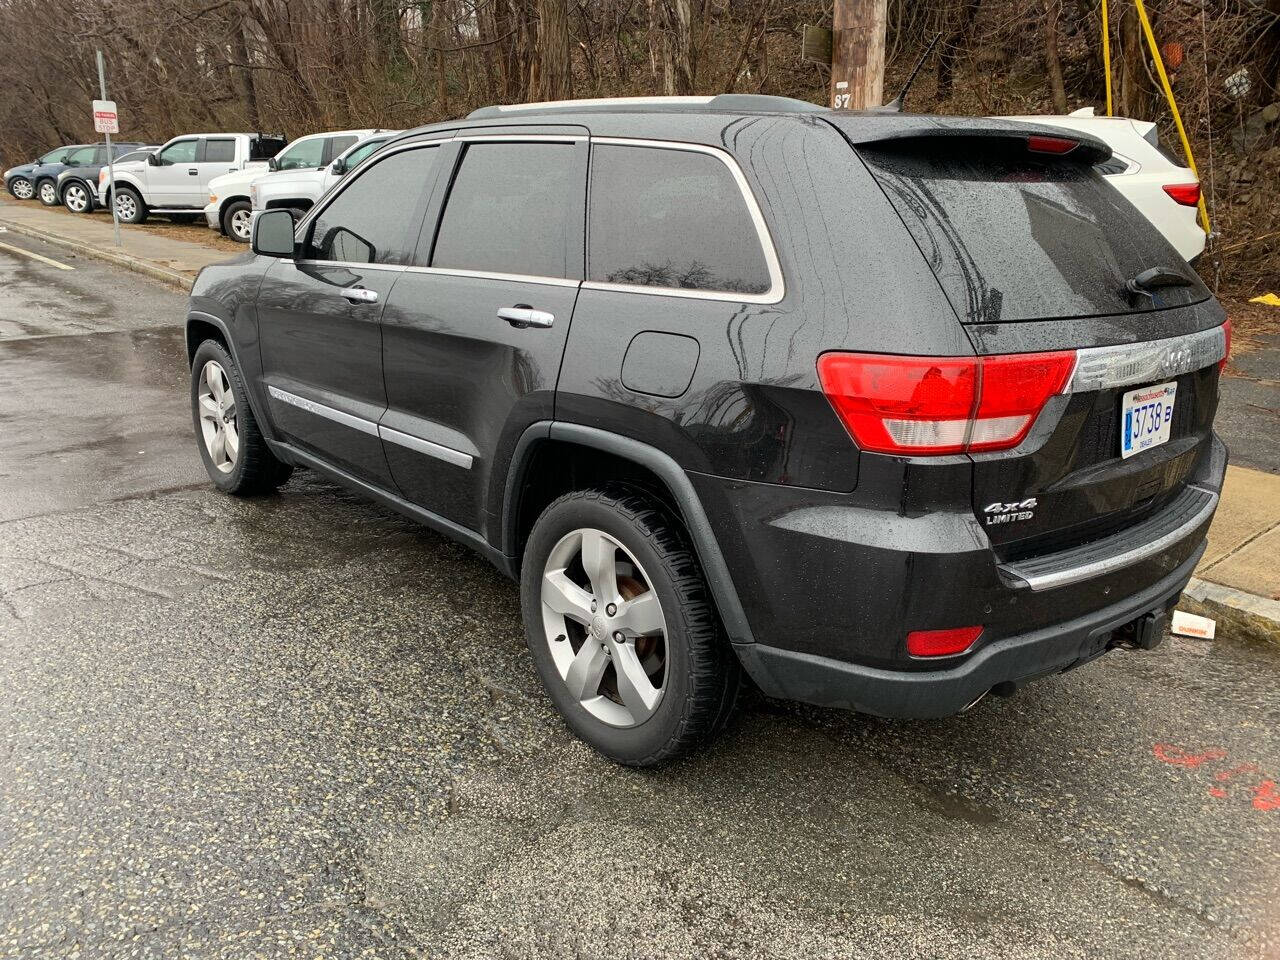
(264, 148)
(1011, 236)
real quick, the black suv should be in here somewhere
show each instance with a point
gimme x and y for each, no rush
(889, 411)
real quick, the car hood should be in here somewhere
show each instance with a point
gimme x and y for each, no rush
(20, 169)
(237, 181)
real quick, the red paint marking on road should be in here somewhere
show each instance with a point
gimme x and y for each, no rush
(1226, 775)
(1217, 792)
(1177, 756)
(1265, 796)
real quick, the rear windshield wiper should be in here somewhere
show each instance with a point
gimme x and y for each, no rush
(1153, 279)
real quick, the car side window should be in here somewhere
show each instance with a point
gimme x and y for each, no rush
(1112, 167)
(219, 151)
(362, 151)
(370, 220)
(338, 144)
(671, 218)
(508, 210)
(99, 155)
(82, 155)
(54, 156)
(181, 151)
(307, 155)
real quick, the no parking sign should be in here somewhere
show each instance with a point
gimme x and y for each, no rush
(105, 118)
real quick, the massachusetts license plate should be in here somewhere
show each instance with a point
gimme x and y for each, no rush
(1146, 416)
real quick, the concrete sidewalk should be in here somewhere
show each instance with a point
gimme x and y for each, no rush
(169, 259)
(1240, 569)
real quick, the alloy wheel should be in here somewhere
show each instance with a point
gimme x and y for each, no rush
(77, 198)
(22, 189)
(48, 193)
(242, 224)
(605, 628)
(218, 424)
(126, 206)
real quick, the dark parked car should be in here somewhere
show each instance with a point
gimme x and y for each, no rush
(18, 180)
(889, 411)
(77, 187)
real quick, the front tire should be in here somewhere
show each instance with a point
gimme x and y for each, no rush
(77, 198)
(622, 628)
(21, 188)
(231, 445)
(237, 221)
(47, 191)
(129, 205)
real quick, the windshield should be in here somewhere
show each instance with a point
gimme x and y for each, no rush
(1012, 236)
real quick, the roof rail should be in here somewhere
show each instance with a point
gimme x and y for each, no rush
(744, 102)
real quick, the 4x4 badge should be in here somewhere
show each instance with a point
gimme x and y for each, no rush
(1000, 512)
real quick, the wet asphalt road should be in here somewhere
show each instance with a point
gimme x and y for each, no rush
(302, 726)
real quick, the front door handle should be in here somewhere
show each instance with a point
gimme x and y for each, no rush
(192, 171)
(360, 295)
(522, 315)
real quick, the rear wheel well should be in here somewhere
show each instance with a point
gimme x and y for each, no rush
(555, 467)
(198, 331)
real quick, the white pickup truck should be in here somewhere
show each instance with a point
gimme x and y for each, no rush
(174, 181)
(228, 208)
(298, 189)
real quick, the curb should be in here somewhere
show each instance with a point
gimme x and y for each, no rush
(136, 264)
(1256, 616)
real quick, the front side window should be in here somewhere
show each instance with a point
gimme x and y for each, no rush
(360, 152)
(671, 218)
(54, 156)
(132, 155)
(81, 155)
(509, 210)
(306, 155)
(219, 151)
(370, 220)
(182, 151)
(339, 144)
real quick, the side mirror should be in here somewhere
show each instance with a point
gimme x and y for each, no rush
(273, 234)
(338, 167)
(153, 159)
(273, 164)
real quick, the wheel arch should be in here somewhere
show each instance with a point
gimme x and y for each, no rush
(529, 490)
(66, 185)
(238, 198)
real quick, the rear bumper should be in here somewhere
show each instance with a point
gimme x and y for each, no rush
(826, 682)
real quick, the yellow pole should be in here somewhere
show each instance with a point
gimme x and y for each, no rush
(1173, 105)
(1106, 54)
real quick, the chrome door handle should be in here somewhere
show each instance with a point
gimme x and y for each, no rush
(360, 295)
(522, 315)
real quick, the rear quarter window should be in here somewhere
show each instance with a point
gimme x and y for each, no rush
(1014, 237)
(671, 218)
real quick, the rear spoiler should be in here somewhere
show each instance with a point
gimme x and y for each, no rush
(871, 128)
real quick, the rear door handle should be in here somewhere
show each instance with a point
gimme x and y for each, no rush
(360, 295)
(522, 315)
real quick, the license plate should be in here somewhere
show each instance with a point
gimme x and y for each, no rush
(1146, 416)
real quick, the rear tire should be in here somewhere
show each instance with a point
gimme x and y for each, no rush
(47, 192)
(129, 205)
(694, 676)
(21, 188)
(231, 445)
(237, 220)
(77, 197)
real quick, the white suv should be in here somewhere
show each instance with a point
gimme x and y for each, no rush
(298, 189)
(228, 208)
(1164, 192)
(174, 181)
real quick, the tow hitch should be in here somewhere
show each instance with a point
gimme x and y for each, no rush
(1144, 633)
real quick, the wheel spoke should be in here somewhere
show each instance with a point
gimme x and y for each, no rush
(565, 597)
(218, 448)
(213, 377)
(588, 666)
(209, 408)
(640, 616)
(229, 405)
(637, 691)
(231, 440)
(600, 562)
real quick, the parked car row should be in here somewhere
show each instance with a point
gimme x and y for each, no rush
(214, 174)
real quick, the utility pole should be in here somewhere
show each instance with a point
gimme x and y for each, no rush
(857, 53)
(111, 167)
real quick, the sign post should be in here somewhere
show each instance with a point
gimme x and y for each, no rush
(107, 121)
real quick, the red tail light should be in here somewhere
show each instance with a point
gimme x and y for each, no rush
(1187, 194)
(926, 406)
(1041, 144)
(1226, 353)
(942, 643)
